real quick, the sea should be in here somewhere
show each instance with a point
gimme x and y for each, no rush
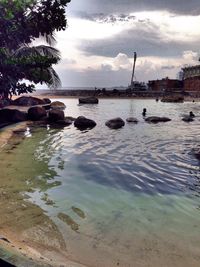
(103, 197)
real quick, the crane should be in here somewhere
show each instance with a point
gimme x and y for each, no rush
(133, 73)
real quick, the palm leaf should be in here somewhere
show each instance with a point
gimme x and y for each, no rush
(40, 50)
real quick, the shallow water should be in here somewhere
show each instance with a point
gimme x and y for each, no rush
(127, 197)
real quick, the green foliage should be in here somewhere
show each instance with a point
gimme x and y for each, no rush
(21, 22)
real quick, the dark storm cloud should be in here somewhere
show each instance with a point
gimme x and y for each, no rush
(103, 18)
(146, 38)
(128, 6)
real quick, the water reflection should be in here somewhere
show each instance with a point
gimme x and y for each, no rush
(23, 173)
(122, 195)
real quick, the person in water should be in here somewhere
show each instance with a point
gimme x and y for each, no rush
(144, 112)
(191, 114)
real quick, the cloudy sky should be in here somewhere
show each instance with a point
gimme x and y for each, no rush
(102, 35)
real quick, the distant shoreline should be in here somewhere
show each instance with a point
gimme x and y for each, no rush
(110, 94)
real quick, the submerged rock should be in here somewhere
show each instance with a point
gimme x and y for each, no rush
(64, 122)
(155, 119)
(58, 105)
(84, 123)
(79, 212)
(70, 118)
(28, 101)
(132, 120)
(69, 221)
(188, 118)
(115, 123)
(36, 113)
(88, 100)
(56, 115)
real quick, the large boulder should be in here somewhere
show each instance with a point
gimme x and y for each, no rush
(28, 101)
(57, 105)
(12, 115)
(56, 115)
(36, 113)
(115, 123)
(88, 100)
(84, 123)
(132, 120)
(46, 100)
(155, 119)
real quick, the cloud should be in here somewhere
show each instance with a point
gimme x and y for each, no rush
(190, 56)
(104, 18)
(127, 6)
(68, 61)
(171, 67)
(147, 38)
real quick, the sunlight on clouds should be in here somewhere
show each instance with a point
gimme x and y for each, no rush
(172, 26)
(168, 27)
(87, 29)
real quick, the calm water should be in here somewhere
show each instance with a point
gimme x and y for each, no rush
(127, 197)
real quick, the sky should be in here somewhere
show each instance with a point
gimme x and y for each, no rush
(98, 45)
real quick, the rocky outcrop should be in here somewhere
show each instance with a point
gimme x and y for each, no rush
(155, 119)
(173, 98)
(132, 120)
(88, 100)
(57, 105)
(12, 116)
(28, 101)
(115, 123)
(36, 113)
(84, 123)
(56, 115)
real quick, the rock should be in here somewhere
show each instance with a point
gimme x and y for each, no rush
(115, 123)
(155, 119)
(64, 122)
(36, 113)
(58, 105)
(28, 101)
(84, 123)
(56, 115)
(70, 118)
(46, 100)
(132, 120)
(173, 98)
(12, 115)
(47, 106)
(88, 100)
(5, 102)
(187, 118)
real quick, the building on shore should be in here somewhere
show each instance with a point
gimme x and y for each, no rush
(191, 77)
(166, 85)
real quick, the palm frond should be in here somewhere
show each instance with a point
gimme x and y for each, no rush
(40, 50)
(54, 81)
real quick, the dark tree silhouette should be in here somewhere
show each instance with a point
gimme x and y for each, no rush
(21, 22)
